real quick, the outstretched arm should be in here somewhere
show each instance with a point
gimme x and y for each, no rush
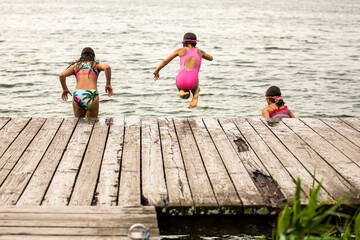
(62, 77)
(106, 68)
(206, 56)
(165, 62)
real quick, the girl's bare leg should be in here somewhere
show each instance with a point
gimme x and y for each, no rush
(195, 91)
(78, 112)
(93, 110)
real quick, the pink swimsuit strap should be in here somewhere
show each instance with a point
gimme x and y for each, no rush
(190, 53)
(85, 73)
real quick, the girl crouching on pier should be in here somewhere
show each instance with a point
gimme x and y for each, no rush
(86, 96)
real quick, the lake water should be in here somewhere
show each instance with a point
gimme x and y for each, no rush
(310, 49)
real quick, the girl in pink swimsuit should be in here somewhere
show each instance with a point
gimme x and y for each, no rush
(276, 106)
(190, 61)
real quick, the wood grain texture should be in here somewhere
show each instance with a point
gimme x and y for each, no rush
(200, 185)
(39, 182)
(224, 189)
(294, 167)
(70, 222)
(61, 186)
(129, 192)
(244, 185)
(344, 129)
(18, 178)
(154, 191)
(352, 122)
(10, 131)
(334, 184)
(176, 179)
(4, 121)
(267, 157)
(108, 186)
(86, 182)
(340, 163)
(341, 143)
(9, 159)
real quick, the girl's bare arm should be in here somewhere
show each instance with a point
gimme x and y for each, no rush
(206, 56)
(107, 69)
(165, 62)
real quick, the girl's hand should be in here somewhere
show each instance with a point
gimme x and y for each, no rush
(64, 94)
(156, 75)
(109, 90)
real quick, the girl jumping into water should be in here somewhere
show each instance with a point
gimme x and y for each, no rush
(86, 96)
(190, 61)
(276, 106)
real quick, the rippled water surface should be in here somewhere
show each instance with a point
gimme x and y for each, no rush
(310, 49)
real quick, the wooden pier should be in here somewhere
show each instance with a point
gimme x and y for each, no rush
(179, 166)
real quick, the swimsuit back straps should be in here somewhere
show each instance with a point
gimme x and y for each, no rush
(190, 53)
(87, 66)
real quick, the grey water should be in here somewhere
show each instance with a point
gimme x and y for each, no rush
(310, 49)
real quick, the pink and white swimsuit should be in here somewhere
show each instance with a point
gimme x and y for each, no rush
(187, 80)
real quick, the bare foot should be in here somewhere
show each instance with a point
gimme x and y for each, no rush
(183, 93)
(195, 99)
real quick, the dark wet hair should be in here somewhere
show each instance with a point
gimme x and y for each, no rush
(87, 54)
(191, 36)
(274, 91)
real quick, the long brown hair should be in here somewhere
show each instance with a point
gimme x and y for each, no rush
(274, 91)
(87, 54)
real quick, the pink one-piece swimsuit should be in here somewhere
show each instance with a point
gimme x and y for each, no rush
(187, 80)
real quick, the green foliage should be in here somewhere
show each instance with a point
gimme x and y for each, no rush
(316, 220)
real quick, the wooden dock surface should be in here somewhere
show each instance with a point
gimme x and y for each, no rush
(180, 166)
(38, 222)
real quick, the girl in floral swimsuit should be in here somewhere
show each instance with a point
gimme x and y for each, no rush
(86, 95)
(190, 61)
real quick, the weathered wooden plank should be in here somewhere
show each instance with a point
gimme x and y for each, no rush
(353, 122)
(154, 190)
(84, 189)
(267, 157)
(10, 131)
(334, 184)
(200, 186)
(75, 221)
(77, 209)
(251, 161)
(287, 159)
(47, 237)
(244, 185)
(61, 186)
(334, 138)
(9, 159)
(18, 178)
(108, 186)
(224, 189)
(342, 164)
(344, 129)
(38, 184)
(176, 180)
(108, 232)
(129, 192)
(3, 121)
